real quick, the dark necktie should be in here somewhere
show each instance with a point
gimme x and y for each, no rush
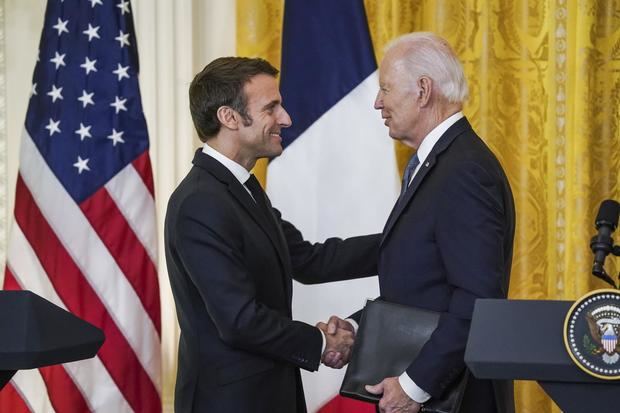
(411, 165)
(259, 197)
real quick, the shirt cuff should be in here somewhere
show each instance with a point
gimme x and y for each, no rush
(413, 391)
(353, 323)
(324, 341)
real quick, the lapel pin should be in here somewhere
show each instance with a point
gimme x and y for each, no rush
(427, 164)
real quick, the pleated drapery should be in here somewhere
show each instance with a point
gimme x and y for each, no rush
(544, 82)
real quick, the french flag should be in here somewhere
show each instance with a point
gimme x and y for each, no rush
(337, 175)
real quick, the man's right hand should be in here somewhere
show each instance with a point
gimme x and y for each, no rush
(338, 345)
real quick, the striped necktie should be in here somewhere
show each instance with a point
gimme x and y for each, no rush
(411, 165)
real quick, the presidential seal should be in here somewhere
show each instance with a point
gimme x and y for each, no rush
(591, 331)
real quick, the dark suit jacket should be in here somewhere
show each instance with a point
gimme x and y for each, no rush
(447, 242)
(230, 273)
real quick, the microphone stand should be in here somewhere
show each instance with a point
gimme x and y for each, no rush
(602, 274)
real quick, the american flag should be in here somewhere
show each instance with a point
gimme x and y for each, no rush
(84, 233)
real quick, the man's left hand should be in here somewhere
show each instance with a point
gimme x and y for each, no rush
(394, 399)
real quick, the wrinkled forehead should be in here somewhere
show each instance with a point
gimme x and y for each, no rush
(393, 67)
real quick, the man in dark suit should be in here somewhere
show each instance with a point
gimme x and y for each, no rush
(448, 240)
(231, 257)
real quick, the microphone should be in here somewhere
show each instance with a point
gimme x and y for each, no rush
(602, 244)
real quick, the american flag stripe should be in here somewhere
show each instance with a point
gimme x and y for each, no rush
(23, 261)
(92, 258)
(24, 270)
(64, 394)
(10, 283)
(110, 224)
(68, 281)
(12, 401)
(135, 200)
(103, 395)
(142, 165)
(31, 388)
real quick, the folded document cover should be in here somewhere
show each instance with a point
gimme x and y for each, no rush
(389, 338)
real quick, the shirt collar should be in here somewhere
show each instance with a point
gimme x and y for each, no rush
(237, 170)
(431, 139)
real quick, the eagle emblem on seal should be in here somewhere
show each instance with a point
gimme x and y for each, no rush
(604, 328)
(592, 332)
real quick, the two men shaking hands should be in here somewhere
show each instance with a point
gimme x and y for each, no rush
(231, 257)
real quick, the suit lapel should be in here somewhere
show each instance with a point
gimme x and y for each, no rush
(425, 168)
(239, 192)
(285, 257)
(272, 231)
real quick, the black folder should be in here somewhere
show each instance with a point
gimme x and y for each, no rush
(389, 338)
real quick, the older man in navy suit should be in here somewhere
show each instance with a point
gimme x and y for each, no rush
(448, 240)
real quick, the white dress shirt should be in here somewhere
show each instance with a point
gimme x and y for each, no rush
(236, 169)
(429, 141)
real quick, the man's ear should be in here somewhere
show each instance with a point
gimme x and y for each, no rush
(228, 117)
(425, 90)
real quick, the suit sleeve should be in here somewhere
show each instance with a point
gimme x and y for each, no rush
(471, 234)
(209, 246)
(333, 260)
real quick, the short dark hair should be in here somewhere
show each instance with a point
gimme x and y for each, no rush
(221, 83)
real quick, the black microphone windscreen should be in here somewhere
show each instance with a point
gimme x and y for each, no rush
(608, 213)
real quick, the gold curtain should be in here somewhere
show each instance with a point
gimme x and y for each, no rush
(259, 34)
(544, 83)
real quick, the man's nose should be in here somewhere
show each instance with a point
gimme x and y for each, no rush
(379, 101)
(284, 120)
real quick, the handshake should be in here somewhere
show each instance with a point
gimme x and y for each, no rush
(339, 337)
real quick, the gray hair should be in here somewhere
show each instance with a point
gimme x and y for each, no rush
(427, 54)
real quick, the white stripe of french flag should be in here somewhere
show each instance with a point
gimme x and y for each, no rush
(337, 175)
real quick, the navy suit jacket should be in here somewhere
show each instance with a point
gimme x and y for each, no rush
(231, 276)
(447, 242)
